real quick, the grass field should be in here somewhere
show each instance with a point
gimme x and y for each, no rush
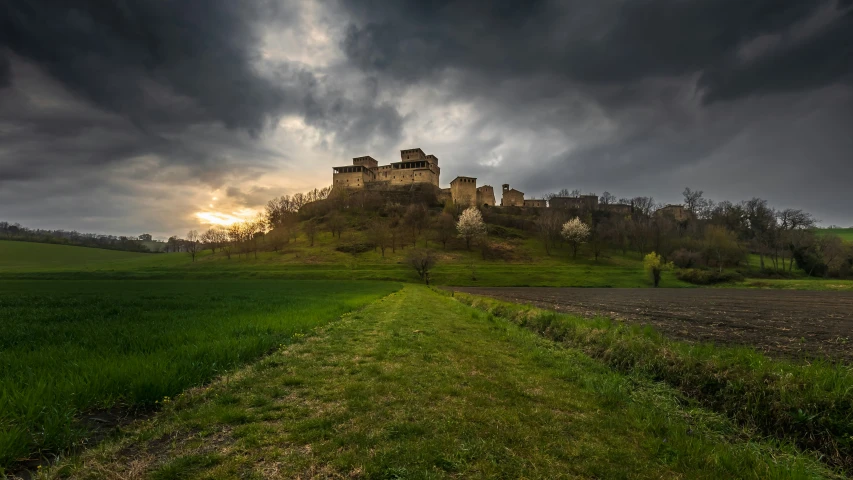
(29, 256)
(844, 233)
(418, 385)
(23, 260)
(322, 262)
(71, 347)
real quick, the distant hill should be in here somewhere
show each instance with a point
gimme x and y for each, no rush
(34, 256)
(844, 233)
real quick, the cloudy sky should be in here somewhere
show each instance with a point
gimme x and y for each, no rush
(159, 116)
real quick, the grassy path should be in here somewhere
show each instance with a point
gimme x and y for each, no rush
(417, 385)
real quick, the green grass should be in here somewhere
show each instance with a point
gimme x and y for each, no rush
(69, 347)
(418, 385)
(805, 283)
(810, 405)
(17, 256)
(844, 233)
(22, 260)
(529, 266)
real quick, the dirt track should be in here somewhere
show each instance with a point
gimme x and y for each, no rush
(793, 324)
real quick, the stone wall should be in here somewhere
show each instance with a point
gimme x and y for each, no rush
(534, 203)
(486, 196)
(352, 177)
(584, 202)
(463, 191)
(678, 212)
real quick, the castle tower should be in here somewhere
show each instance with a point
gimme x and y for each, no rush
(463, 191)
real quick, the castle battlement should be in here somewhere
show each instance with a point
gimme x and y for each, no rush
(414, 167)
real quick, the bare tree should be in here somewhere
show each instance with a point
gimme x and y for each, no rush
(832, 250)
(379, 233)
(795, 226)
(209, 239)
(415, 220)
(193, 243)
(548, 226)
(335, 223)
(720, 243)
(445, 228)
(643, 206)
(235, 238)
(310, 229)
(278, 237)
(693, 201)
(598, 236)
(422, 260)
(761, 224)
(607, 198)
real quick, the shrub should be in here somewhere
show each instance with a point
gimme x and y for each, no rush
(684, 258)
(422, 260)
(707, 277)
(355, 247)
(654, 264)
(498, 231)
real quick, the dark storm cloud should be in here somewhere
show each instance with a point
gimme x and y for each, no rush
(671, 83)
(165, 68)
(603, 42)
(120, 99)
(5, 71)
(118, 55)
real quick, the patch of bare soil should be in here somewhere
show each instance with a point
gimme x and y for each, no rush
(780, 323)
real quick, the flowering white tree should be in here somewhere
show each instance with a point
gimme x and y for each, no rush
(470, 225)
(576, 233)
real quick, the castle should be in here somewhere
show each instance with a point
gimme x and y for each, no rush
(414, 168)
(417, 169)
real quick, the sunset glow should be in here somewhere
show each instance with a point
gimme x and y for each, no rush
(225, 219)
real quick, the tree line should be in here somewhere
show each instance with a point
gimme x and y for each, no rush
(17, 232)
(710, 236)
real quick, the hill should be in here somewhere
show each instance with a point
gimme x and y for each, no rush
(515, 260)
(845, 233)
(30, 256)
(515, 257)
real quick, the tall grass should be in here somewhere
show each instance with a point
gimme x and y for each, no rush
(809, 405)
(71, 347)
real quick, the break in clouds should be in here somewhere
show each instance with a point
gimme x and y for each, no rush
(135, 116)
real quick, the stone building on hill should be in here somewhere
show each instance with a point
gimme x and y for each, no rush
(617, 208)
(511, 197)
(535, 203)
(678, 212)
(583, 202)
(486, 196)
(465, 192)
(416, 176)
(414, 167)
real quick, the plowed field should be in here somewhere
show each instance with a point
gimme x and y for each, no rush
(794, 324)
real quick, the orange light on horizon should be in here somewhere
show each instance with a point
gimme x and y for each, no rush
(225, 219)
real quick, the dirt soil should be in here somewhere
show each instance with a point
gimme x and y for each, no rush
(793, 324)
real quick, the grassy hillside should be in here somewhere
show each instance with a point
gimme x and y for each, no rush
(522, 261)
(516, 259)
(418, 385)
(72, 347)
(845, 233)
(30, 256)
